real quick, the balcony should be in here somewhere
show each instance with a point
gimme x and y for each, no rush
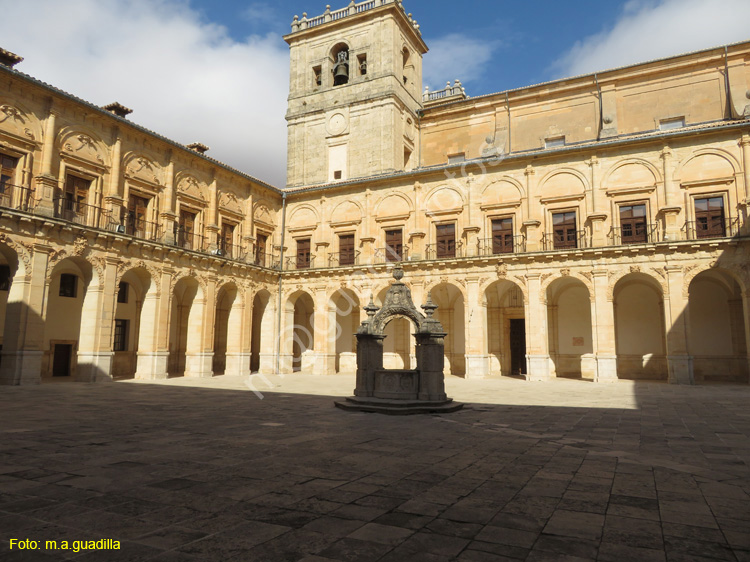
(17, 197)
(712, 228)
(189, 240)
(83, 214)
(390, 254)
(343, 259)
(495, 247)
(641, 234)
(444, 251)
(142, 229)
(571, 240)
(295, 263)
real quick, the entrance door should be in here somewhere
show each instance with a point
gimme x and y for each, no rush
(518, 346)
(61, 360)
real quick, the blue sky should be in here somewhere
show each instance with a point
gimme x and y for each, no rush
(217, 71)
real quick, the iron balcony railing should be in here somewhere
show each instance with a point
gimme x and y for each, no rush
(640, 234)
(294, 263)
(711, 228)
(572, 240)
(343, 259)
(17, 197)
(493, 246)
(444, 251)
(142, 229)
(83, 214)
(189, 240)
(391, 255)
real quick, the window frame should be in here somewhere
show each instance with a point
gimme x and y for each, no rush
(646, 222)
(120, 335)
(561, 245)
(69, 288)
(446, 254)
(123, 292)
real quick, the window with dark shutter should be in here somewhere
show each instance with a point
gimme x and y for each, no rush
(68, 283)
(260, 249)
(502, 236)
(303, 253)
(121, 336)
(709, 217)
(633, 224)
(446, 240)
(564, 230)
(394, 245)
(346, 249)
(122, 293)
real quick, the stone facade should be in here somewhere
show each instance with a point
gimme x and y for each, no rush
(594, 227)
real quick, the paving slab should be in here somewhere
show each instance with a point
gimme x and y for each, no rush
(202, 469)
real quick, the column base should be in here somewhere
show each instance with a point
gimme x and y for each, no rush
(152, 366)
(606, 368)
(21, 367)
(199, 365)
(238, 365)
(538, 368)
(94, 366)
(267, 364)
(680, 369)
(286, 364)
(477, 366)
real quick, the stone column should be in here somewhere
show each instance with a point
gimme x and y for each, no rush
(676, 312)
(369, 360)
(46, 182)
(200, 345)
(603, 318)
(212, 227)
(537, 338)
(477, 358)
(23, 339)
(152, 359)
(431, 361)
(745, 193)
(114, 199)
(238, 334)
(324, 345)
(268, 334)
(95, 353)
(168, 216)
(669, 211)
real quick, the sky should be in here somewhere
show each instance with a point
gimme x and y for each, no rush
(217, 71)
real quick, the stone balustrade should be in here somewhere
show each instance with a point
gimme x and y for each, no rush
(449, 93)
(352, 9)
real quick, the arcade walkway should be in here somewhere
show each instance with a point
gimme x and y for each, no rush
(202, 470)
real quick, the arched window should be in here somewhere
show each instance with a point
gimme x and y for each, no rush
(340, 64)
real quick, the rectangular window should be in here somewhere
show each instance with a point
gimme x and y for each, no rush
(4, 278)
(446, 240)
(303, 253)
(186, 231)
(564, 231)
(121, 335)
(122, 293)
(710, 218)
(502, 236)
(667, 124)
(68, 283)
(260, 249)
(227, 238)
(554, 142)
(346, 249)
(7, 171)
(362, 64)
(633, 224)
(456, 158)
(136, 216)
(317, 75)
(394, 245)
(75, 197)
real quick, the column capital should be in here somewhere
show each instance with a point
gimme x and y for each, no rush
(599, 272)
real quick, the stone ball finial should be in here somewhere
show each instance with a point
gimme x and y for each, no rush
(398, 273)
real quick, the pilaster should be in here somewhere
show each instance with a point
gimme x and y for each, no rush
(679, 362)
(477, 358)
(537, 338)
(603, 318)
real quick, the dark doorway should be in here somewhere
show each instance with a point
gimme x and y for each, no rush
(518, 346)
(61, 360)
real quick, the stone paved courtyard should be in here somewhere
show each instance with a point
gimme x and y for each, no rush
(204, 470)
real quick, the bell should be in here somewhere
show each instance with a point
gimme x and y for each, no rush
(363, 68)
(341, 73)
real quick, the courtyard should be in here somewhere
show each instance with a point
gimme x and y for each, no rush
(204, 469)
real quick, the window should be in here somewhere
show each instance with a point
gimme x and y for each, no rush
(303, 253)
(709, 217)
(122, 293)
(446, 240)
(362, 64)
(136, 216)
(75, 196)
(4, 278)
(456, 158)
(667, 124)
(121, 335)
(394, 245)
(186, 230)
(554, 142)
(260, 249)
(7, 171)
(502, 236)
(633, 224)
(317, 76)
(346, 249)
(564, 230)
(68, 283)
(337, 175)
(226, 243)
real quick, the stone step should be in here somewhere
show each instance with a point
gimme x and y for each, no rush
(398, 407)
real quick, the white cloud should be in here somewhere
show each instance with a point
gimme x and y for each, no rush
(185, 78)
(456, 56)
(650, 30)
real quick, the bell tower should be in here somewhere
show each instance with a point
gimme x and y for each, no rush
(355, 93)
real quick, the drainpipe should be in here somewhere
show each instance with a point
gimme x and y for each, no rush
(730, 108)
(507, 106)
(601, 108)
(281, 279)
